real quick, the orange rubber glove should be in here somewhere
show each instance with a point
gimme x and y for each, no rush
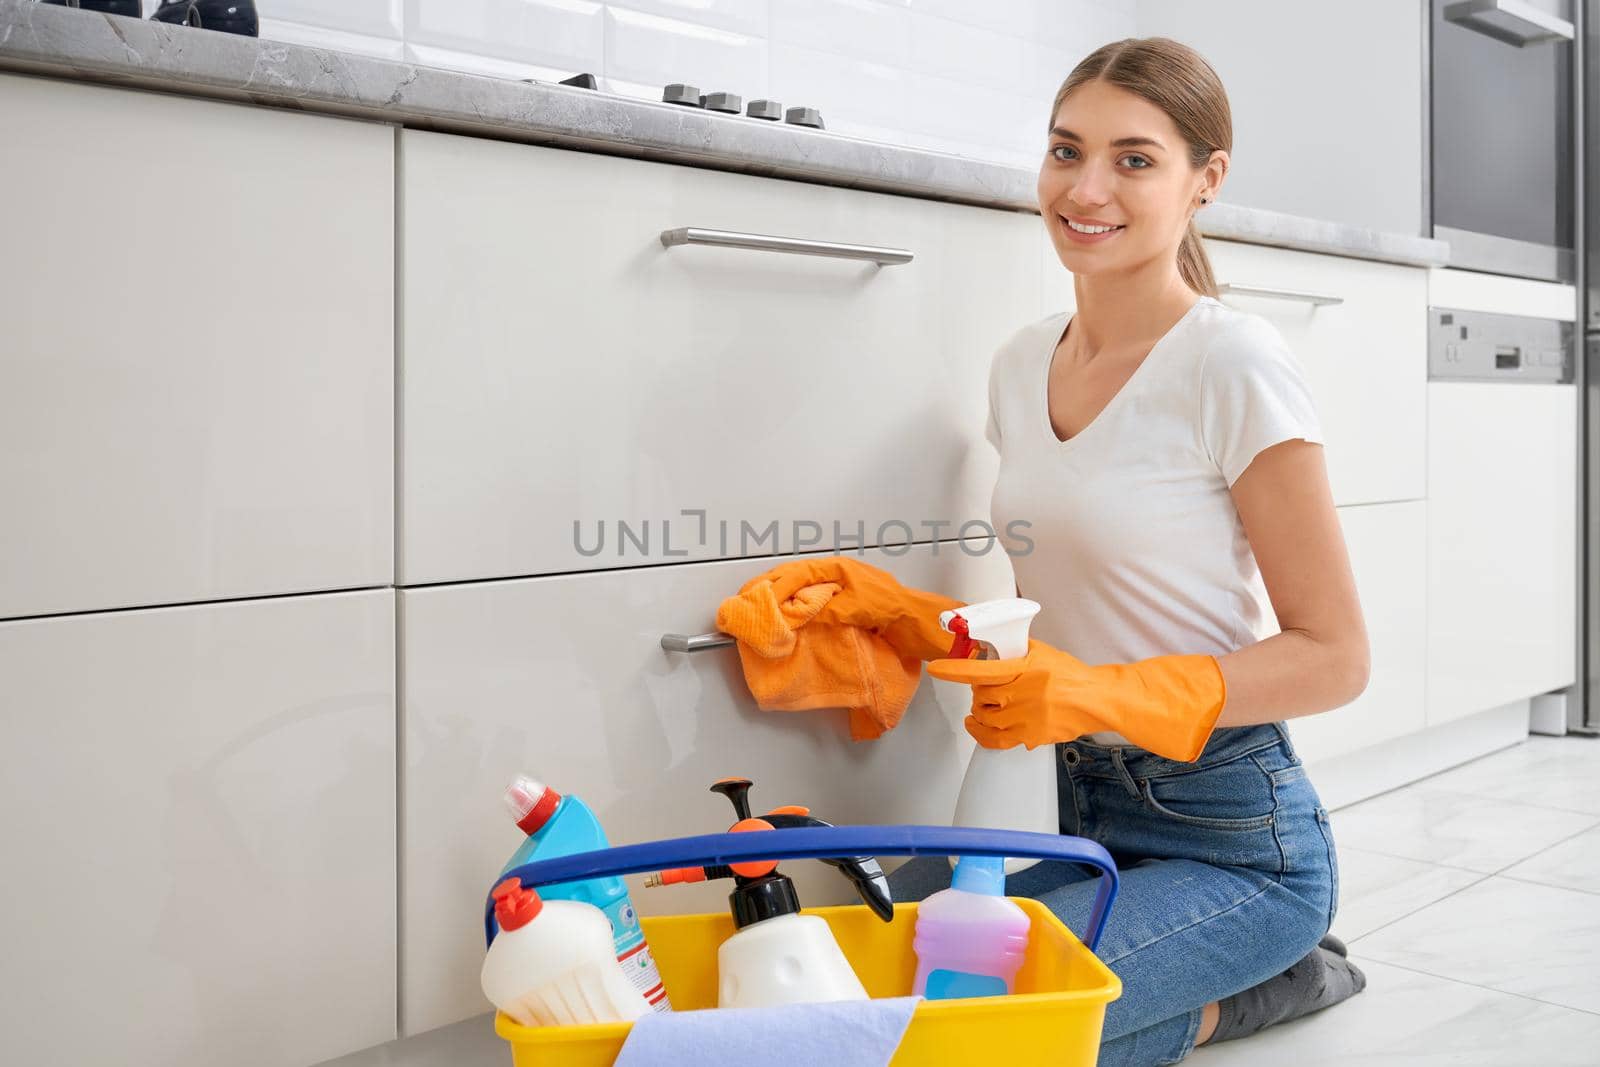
(1167, 705)
(870, 598)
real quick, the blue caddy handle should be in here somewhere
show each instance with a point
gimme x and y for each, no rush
(814, 842)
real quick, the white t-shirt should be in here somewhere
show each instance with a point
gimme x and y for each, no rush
(1137, 549)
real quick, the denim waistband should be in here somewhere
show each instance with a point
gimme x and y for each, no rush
(1225, 744)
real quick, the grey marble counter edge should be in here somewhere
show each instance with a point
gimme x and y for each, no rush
(63, 42)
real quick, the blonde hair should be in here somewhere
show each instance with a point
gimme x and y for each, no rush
(1178, 80)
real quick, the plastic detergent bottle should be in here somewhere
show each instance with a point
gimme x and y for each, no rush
(552, 964)
(1010, 788)
(777, 955)
(970, 939)
(559, 825)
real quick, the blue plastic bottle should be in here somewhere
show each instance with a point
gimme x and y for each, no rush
(559, 825)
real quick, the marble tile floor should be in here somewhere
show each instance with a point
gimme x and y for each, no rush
(1471, 899)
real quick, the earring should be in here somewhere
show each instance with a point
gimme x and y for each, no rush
(1204, 200)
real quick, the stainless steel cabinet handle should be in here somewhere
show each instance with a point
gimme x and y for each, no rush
(1516, 22)
(694, 235)
(1278, 294)
(696, 642)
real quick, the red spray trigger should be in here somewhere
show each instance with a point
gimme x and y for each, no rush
(964, 644)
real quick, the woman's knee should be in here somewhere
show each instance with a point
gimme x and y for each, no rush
(919, 878)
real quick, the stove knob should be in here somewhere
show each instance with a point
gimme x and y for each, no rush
(770, 110)
(727, 103)
(804, 116)
(678, 93)
(581, 81)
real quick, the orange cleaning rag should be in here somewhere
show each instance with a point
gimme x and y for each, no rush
(792, 663)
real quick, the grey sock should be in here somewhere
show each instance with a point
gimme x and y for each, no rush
(1333, 945)
(1321, 979)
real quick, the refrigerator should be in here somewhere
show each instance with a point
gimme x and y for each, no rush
(1584, 709)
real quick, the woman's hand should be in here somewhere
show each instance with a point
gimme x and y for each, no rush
(1168, 705)
(870, 598)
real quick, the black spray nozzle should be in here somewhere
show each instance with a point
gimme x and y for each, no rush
(863, 871)
(737, 790)
(871, 885)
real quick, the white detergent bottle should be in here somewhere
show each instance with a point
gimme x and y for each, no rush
(780, 956)
(1005, 788)
(552, 963)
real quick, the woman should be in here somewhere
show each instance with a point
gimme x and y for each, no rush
(1165, 450)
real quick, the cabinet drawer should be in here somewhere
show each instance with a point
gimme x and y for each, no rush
(1387, 544)
(561, 366)
(196, 385)
(197, 806)
(1502, 544)
(564, 678)
(1365, 359)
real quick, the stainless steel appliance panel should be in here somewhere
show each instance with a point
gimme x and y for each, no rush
(1484, 347)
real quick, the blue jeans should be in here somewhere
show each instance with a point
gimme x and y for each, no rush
(1228, 876)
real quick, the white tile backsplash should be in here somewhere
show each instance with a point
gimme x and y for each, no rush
(970, 77)
(552, 33)
(370, 18)
(651, 48)
(966, 54)
(863, 29)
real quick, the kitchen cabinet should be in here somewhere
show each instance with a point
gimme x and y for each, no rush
(564, 678)
(198, 809)
(196, 388)
(1387, 545)
(1502, 517)
(1502, 530)
(1365, 359)
(562, 368)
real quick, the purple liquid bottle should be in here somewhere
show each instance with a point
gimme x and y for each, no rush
(970, 939)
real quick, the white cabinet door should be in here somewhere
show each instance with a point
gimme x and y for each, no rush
(1502, 530)
(560, 366)
(1365, 359)
(197, 806)
(564, 678)
(196, 381)
(1387, 544)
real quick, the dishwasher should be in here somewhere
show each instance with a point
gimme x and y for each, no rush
(1502, 510)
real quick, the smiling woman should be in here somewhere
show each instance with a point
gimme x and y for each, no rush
(1193, 581)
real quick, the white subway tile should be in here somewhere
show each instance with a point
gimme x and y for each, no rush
(1044, 69)
(562, 34)
(362, 44)
(372, 18)
(1002, 16)
(748, 17)
(850, 90)
(864, 29)
(648, 48)
(964, 53)
(477, 63)
(1076, 25)
(971, 113)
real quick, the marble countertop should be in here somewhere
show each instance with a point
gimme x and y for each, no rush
(84, 45)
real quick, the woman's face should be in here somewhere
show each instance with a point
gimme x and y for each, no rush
(1147, 187)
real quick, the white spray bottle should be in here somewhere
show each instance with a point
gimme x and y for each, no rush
(1005, 788)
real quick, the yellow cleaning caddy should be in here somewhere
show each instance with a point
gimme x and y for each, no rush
(1054, 1015)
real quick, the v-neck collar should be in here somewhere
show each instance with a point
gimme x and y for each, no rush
(1117, 397)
